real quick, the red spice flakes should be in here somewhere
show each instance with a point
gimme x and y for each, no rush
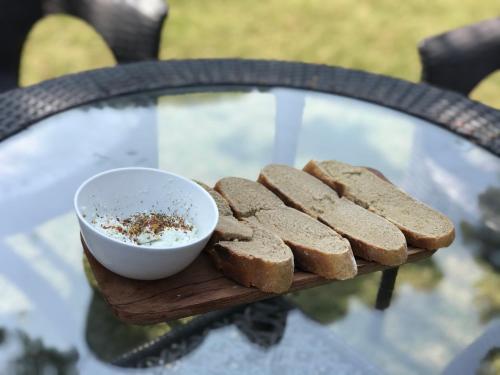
(149, 223)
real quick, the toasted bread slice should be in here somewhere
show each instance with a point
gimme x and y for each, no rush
(371, 236)
(222, 205)
(316, 247)
(250, 257)
(246, 197)
(264, 262)
(422, 226)
(228, 228)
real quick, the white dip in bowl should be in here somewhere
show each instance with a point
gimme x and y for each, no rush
(178, 217)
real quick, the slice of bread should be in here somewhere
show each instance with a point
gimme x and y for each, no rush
(422, 226)
(249, 254)
(317, 248)
(246, 197)
(298, 189)
(371, 236)
(222, 205)
(264, 262)
(228, 228)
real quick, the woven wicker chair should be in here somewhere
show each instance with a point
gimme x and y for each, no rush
(131, 28)
(459, 59)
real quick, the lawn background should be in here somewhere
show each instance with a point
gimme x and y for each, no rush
(378, 36)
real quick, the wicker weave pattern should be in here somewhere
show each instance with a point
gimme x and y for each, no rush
(22, 107)
(131, 28)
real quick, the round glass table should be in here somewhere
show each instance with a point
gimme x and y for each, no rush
(444, 315)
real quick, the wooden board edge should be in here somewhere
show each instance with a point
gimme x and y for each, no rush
(254, 295)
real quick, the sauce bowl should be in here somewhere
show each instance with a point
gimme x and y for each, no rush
(127, 191)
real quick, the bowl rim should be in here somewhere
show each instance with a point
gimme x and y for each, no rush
(197, 240)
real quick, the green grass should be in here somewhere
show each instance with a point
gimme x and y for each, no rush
(378, 36)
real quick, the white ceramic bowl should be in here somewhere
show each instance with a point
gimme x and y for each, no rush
(127, 191)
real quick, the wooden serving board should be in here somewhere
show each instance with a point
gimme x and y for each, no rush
(198, 289)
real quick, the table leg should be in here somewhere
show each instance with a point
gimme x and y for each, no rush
(386, 288)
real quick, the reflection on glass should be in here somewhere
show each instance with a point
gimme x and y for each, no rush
(486, 234)
(423, 275)
(210, 135)
(261, 324)
(490, 365)
(329, 303)
(487, 296)
(108, 337)
(484, 238)
(208, 139)
(35, 358)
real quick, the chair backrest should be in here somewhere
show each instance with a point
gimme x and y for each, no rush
(16, 19)
(460, 59)
(131, 28)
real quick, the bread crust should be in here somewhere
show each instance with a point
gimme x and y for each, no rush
(310, 258)
(338, 266)
(413, 236)
(229, 228)
(317, 249)
(255, 198)
(271, 277)
(372, 249)
(247, 268)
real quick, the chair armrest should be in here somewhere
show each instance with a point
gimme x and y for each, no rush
(459, 59)
(132, 29)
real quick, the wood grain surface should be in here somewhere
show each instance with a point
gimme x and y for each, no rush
(198, 289)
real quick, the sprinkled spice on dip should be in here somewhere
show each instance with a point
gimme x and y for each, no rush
(148, 228)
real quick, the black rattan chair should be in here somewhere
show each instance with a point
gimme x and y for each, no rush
(23, 107)
(132, 29)
(459, 59)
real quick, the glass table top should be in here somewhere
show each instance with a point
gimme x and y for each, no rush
(444, 316)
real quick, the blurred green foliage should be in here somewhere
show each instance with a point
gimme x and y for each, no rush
(35, 358)
(329, 302)
(490, 365)
(108, 337)
(423, 275)
(377, 36)
(487, 296)
(484, 239)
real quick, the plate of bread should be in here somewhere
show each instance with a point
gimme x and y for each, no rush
(291, 229)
